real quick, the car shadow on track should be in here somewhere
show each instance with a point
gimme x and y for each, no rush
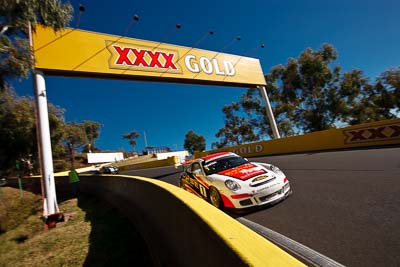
(236, 213)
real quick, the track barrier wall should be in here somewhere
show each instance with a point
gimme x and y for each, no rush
(179, 228)
(380, 133)
(150, 164)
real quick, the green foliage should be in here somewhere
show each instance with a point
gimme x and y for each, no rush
(194, 142)
(92, 130)
(131, 136)
(18, 129)
(309, 89)
(17, 116)
(390, 79)
(310, 94)
(237, 130)
(15, 53)
(75, 138)
(56, 123)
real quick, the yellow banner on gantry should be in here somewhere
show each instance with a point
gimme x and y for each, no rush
(75, 52)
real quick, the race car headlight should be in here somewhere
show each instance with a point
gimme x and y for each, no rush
(232, 185)
(274, 169)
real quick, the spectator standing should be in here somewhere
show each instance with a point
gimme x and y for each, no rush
(74, 181)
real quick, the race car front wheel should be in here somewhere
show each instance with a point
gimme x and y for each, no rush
(215, 198)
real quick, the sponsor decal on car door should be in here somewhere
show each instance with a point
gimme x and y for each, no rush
(196, 185)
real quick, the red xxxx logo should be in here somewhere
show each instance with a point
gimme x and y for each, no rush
(139, 58)
(136, 57)
(386, 132)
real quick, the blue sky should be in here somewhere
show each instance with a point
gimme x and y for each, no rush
(365, 33)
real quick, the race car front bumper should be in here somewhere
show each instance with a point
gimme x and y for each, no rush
(261, 198)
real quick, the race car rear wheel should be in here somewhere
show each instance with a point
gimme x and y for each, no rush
(215, 198)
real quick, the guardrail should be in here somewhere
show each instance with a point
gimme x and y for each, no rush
(380, 133)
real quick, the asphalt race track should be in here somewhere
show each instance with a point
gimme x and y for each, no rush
(345, 204)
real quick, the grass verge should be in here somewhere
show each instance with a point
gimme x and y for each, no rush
(93, 234)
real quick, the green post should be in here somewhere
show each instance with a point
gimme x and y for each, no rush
(3, 181)
(17, 165)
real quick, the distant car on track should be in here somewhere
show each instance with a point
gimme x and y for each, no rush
(227, 180)
(109, 170)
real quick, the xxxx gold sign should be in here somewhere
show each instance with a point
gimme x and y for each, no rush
(372, 134)
(81, 53)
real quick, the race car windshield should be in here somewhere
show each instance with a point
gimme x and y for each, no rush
(222, 164)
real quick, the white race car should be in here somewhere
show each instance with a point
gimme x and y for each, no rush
(227, 180)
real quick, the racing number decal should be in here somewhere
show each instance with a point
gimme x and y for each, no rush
(203, 190)
(196, 186)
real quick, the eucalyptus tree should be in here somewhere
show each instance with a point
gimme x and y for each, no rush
(237, 129)
(15, 15)
(194, 142)
(18, 129)
(92, 130)
(75, 138)
(132, 136)
(310, 93)
(18, 137)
